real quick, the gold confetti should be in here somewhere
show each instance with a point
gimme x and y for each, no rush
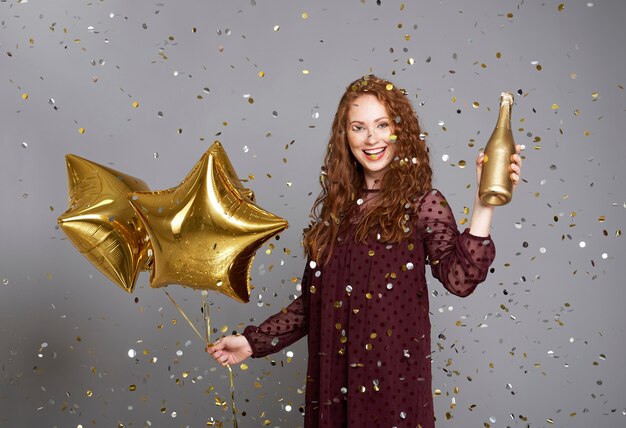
(462, 164)
(305, 72)
(389, 86)
(498, 55)
(555, 106)
(509, 15)
(89, 393)
(135, 104)
(538, 67)
(305, 15)
(261, 74)
(475, 104)
(561, 7)
(81, 130)
(276, 27)
(24, 96)
(132, 388)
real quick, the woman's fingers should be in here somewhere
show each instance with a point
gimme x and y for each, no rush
(479, 159)
(212, 349)
(516, 165)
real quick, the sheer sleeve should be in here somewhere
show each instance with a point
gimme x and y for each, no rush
(281, 329)
(459, 260)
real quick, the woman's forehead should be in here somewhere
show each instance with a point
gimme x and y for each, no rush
(366, 105)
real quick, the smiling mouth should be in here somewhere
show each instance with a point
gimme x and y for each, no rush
(375, 154)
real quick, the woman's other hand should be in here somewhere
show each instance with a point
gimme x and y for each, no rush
(230, 350)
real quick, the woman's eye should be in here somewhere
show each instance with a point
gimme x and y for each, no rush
(383, 125)
(357, 128)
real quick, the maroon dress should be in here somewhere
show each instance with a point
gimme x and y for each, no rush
(366, 316)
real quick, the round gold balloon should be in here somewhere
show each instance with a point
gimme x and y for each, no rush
(205, 231)
(101, 223)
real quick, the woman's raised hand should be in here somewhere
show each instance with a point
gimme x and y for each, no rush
(515, 168)
(230, 350)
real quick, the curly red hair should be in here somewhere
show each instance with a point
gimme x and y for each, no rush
(342, 179)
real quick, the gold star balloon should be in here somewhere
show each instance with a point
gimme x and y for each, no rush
(205, 231)
(101, 223)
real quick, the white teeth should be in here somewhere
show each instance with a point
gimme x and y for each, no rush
(374, 152)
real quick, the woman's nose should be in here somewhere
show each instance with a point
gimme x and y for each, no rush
(371, 137)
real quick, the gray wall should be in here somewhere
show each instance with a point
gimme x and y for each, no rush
(541, 342)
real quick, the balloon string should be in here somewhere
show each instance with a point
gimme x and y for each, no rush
(232, 396)
(184, 315)
(207, 334)
(207, 318)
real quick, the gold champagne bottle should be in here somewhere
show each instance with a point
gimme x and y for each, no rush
(496, 186)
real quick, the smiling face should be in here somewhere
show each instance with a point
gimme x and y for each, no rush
(369, 129)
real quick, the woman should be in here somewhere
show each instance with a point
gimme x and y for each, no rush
(364, 302)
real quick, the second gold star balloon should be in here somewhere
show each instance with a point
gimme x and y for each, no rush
(205, 231)
(102, 224)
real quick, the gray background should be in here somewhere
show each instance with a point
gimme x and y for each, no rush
(540, 343)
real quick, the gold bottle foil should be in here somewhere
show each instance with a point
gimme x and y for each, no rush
(496, 186)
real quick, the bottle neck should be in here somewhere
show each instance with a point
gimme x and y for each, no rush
(504, 117)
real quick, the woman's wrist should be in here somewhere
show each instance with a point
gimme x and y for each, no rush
(481, 218)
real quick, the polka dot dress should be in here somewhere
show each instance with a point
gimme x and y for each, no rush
(366, 316)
